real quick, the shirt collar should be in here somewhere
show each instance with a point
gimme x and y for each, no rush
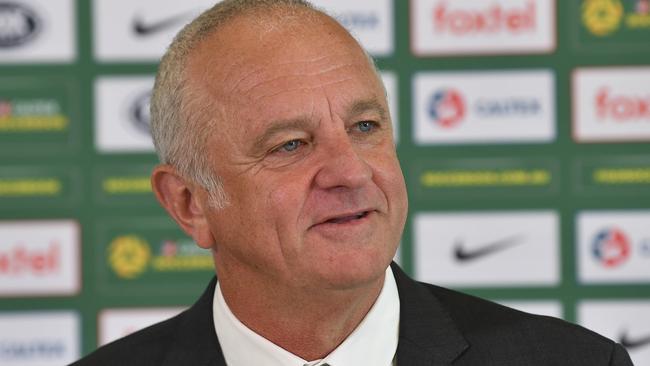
(377, 333)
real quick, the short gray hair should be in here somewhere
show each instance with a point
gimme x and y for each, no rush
(178, 125)
(180, 119)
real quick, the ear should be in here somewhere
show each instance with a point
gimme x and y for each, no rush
(185, 203)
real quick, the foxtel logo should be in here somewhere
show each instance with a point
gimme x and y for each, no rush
(621, 108)
(494, 19)
(20, 260)
(447, 27)
(39, 258)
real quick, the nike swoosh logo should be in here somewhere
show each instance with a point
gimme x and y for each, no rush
(142, 28)
(464, 255)
(630, 343)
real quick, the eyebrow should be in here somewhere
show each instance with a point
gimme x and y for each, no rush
(368, 105)
(305, 122)
(300, 123)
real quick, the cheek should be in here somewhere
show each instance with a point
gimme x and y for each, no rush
(247, 215)
(285, 200)
(390, 179)
(397, 179)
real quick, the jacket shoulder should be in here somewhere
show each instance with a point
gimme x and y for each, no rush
(495, 331)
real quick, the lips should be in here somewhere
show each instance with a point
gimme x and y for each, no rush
(344, 218)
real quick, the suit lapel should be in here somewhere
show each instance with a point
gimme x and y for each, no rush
(427, 334)
(196, 342)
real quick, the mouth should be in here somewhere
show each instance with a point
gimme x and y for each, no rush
(350, 218)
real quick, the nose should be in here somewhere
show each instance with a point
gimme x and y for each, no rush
(342, 165)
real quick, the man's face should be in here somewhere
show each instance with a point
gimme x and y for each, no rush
(304, 146)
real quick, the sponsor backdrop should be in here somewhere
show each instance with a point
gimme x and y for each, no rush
(523, 127)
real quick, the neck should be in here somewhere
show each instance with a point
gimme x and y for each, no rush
(306, 322)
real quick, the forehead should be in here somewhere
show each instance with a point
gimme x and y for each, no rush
(252, 66)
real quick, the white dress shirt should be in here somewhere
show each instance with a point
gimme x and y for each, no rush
(373, 342)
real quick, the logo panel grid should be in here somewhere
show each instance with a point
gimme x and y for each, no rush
(464, 230)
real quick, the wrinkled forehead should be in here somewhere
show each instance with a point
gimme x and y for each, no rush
(256, 49)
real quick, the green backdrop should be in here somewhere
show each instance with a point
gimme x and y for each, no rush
(109, 196)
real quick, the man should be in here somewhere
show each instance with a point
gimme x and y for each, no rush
(277, 154)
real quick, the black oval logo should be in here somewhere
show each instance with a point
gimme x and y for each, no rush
(18, 24)
(140, 115)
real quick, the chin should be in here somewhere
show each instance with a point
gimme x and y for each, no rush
(351, 273)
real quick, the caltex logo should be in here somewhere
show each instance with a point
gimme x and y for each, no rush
(611, 247)
(359, 20)
(447, 107)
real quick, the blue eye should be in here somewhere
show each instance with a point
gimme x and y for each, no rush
(291, 145)
(366, 126)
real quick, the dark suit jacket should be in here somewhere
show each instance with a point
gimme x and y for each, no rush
(437, 327)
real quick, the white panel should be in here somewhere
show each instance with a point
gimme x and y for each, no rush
(39, 258)
(117, 323)
(122, 114)
(38, 31)
(443, 27)
(611, 104)
(484, 107)
(512, 248)
(370, 21)
(613, 246)
(627, 322)
(140, 30)
(39, 338)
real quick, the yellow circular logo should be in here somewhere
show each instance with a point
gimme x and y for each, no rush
(128, 256)
(602, 17)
